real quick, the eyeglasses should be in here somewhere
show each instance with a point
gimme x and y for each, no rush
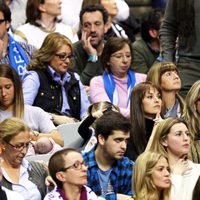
(2, 20)
(20, 147)
(77, 165)
(121, 56)
(64, 56)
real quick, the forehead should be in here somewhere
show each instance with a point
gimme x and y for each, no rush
(151, 90)
(179, 127)
(72, 157)
(65, 48)
(119, 134)
(5, 80)
(125, 48)
(22, 136)
(92, 17)
(162, 162)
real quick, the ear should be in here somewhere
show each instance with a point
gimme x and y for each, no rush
(42, 8)
(101, 139)
(8, 24)
(107, 26)
(153, 33)
(60, 176)
(164, 142)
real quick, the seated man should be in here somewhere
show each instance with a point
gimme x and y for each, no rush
(109, 172)
(93, 19)
(146, 50)
(16, 54)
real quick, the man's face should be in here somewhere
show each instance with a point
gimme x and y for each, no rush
(115, 145)
(4, 25)
(94, 27)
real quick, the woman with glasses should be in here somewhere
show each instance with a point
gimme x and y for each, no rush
(117, 81)
(19, 175)
(49, 84)
(12, 105)
(68, 170)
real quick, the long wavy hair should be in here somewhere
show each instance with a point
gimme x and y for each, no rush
(137, 115)
(190, 114)
(52, 43)
(143, 185)
(18, 105)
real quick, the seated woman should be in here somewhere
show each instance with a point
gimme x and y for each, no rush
(95, 111)
(192, 117)
(68, 170)
(12, 105)
(172, 139)
(165, 75)
(26, 178)
(151, 178)
(145, 113)
(117, 81)
(50, 85)
(41, 19)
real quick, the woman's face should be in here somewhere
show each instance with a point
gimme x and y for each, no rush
(76, 174)
(110, 6)
(120, 62)
(170, 81)
(51, 7)
(62, 59)
(177, 141)
(151, 102)
(161, 174)
(16, 149)
(6, 93)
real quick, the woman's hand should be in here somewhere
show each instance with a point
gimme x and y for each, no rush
(49, 182)
(181, 167)
(157, 119)
(61, 119)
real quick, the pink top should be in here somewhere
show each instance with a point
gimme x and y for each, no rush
(98, 92)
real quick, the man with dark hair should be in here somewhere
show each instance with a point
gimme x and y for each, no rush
(109, 172)
(93, 19)
(146, 50)
(16, 54)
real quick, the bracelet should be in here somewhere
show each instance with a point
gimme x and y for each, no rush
(92, 58)
(35, 135)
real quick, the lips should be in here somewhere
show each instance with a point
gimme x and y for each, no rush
(186, 145)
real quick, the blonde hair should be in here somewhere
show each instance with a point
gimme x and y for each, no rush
(155, 74)
(143, 185)
(161, 132)
(11, 127)
(51, 45)
(191, 116)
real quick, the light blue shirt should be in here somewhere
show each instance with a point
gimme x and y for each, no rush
(25, 187)
(31, 86)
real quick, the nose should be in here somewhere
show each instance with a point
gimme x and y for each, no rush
(123, 145)
(93, 28)
(166, 173)
(24, 150)
(175, 74)
(3, 92)
(185, 136)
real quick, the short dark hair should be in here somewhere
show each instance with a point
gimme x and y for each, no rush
(111, 121)
(93, 8)
(152, 21)
(6, 12)
(57, 163)
(113, 45)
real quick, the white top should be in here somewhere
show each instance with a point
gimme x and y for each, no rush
(35, 36)
(54, 195)
(11, 195)
(36, 118)
(182, 186)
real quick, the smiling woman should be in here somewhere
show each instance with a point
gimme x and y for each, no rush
(51, 85)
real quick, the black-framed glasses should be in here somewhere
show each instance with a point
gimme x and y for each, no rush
(77, 165)
(20, 147)
(2, 20)
(64, 56)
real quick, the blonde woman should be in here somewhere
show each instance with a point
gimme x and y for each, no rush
(172, 139)
(192, 116)
(151, 180)
(166, 76)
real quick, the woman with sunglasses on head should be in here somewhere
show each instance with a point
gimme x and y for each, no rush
(68, 170)
(172, 139)
(118, 80)
(19, 175)
(49, 84)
